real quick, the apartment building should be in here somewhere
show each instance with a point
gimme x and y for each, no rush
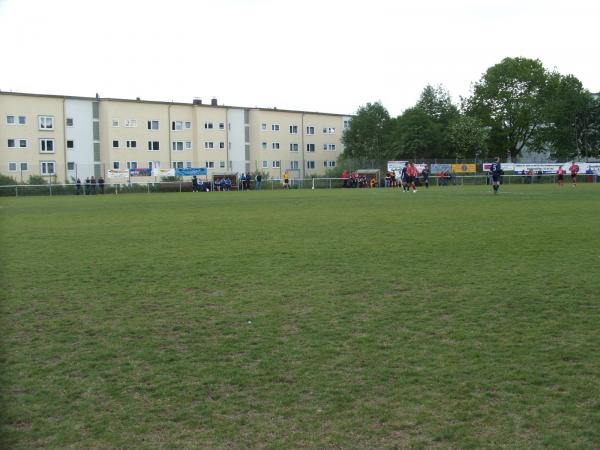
(64, 138)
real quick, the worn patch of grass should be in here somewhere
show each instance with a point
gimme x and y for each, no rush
(343, 318)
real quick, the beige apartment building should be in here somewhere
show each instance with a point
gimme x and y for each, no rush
(64, 138)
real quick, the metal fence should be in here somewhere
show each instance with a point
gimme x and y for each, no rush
(269, 184)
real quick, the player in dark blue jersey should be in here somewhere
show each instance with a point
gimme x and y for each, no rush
(496, 172)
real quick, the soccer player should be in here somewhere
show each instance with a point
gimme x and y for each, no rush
(574, 169)
(412, 173)
(404, 178)
(561, 176)
(496, 172)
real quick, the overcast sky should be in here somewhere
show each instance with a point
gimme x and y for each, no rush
(314, 55)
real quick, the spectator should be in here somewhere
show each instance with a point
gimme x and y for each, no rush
(258, 181)
(78, 186)
(101, 184)
(194, 183)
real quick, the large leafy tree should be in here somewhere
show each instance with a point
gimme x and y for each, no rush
(510, 99)
(572, 120)
(437, 104)
(468, 138)
(416, 135)
(367, 136)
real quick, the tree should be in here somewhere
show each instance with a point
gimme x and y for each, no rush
(367, 136)
(437, 104)
(468, 137)
(510, 99)
(416, 135)
(573, 120)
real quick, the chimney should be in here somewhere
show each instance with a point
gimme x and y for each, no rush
(197, 101)
(213, 101)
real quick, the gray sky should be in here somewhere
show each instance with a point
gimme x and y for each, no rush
(326, 55)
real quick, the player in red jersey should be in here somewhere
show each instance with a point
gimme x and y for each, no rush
(413, 174)
(561, 176)
(574, 169)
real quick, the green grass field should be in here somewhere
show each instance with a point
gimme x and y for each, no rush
(449, 318)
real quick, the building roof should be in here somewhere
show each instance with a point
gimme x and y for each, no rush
(138, 100)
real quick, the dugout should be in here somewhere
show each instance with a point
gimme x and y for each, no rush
(369, 174)
(218, 176)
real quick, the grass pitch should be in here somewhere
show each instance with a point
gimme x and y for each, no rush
(303, 319)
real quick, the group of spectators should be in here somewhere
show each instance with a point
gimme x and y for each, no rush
(357, 180)
(90, 186)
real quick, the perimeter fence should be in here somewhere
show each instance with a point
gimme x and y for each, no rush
(22, 190)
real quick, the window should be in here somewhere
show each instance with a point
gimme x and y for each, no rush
(293, 147)
(24, 166)
(328, 130)
(132, 164)
(188, 164)
(310, 147)
(70, 144)
(177, 125)
(263, 127)
(346, 123)
(177, 164)
(208, 125)
(310, 130)
(131, 123)
(47, 167)
(264, 145)
(275, 164)
(275, 127)
(275, 145)
(221, 125)
(153, 165)
(188, 145)
(153, 125)
(12, 166)
(14, 120)
(69, 121)
(209, 145)
(293, 129)
(46, 122)
(131, 144)
(329, 147)
(47, 145)
(115, 144)
(210, 164)
(12, 143)
(329, 164)
(265, 164)
(188, 125)
(221, 164)
(310, 164)
(115, 123)
(294, 165)
(177, 146)
(153, 146)
(116, 165)
(71, 166)
(221, 145)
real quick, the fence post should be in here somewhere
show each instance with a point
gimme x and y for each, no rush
(179, 186)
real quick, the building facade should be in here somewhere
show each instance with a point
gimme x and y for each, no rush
(64, 138)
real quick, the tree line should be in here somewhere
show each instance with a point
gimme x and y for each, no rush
(517, 105)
